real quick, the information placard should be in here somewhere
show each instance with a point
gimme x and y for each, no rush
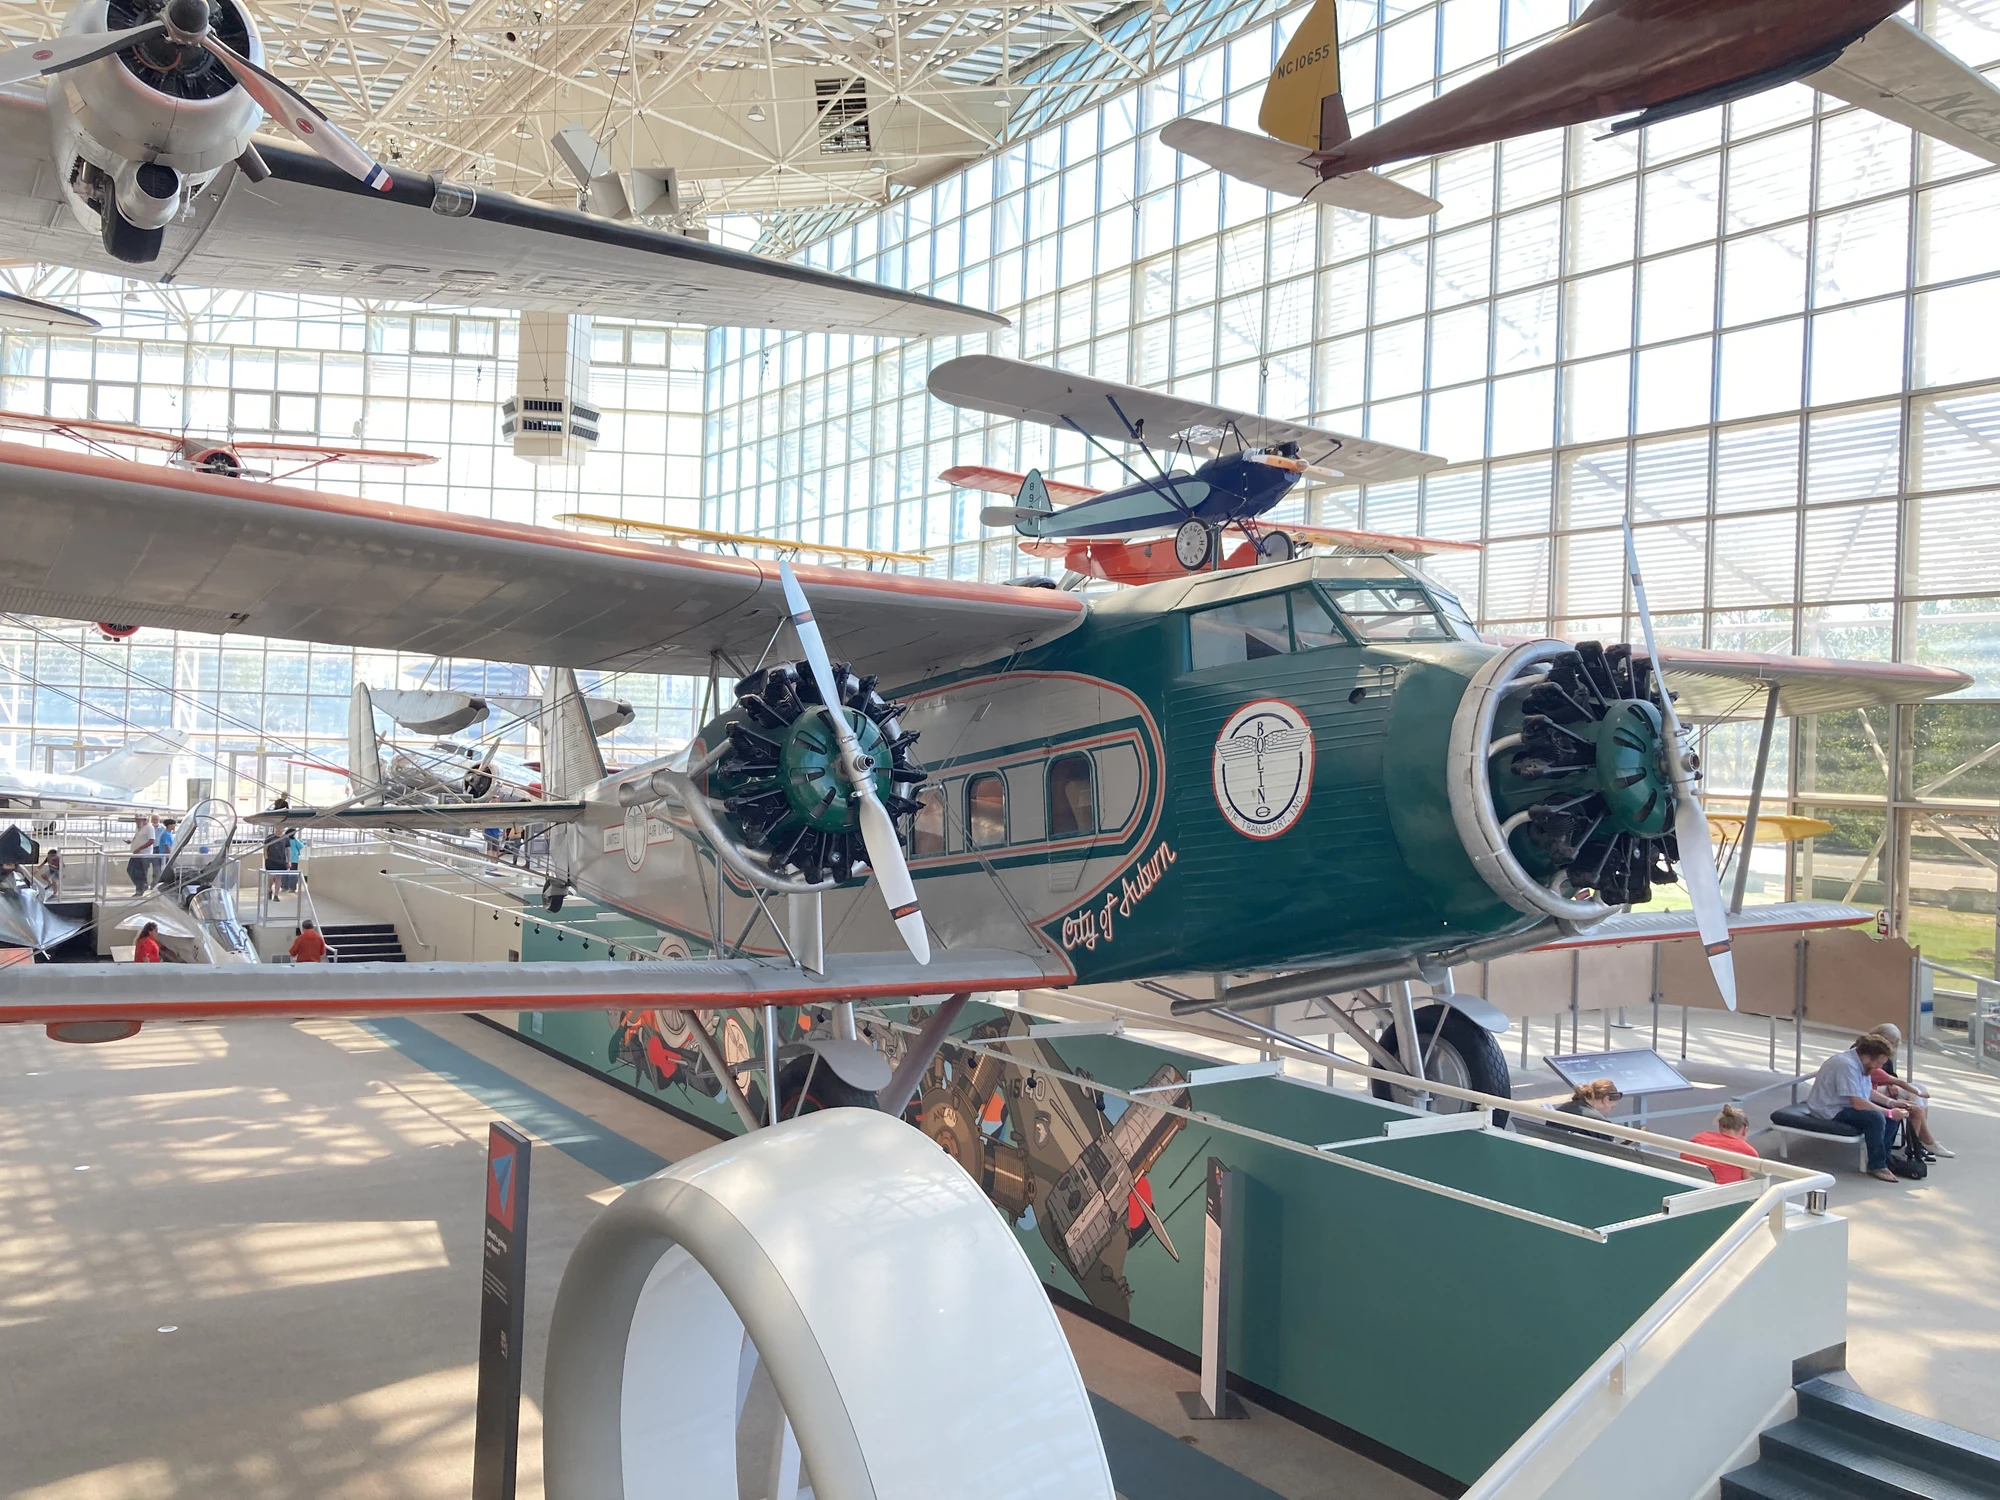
(1637, 1071)
(503, 1285)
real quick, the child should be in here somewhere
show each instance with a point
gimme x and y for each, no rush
(1731, 1133)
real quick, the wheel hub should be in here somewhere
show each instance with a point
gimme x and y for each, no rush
(809, 768)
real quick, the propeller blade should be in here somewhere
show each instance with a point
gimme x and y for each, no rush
(885, 855)
(61, 53)
(878, 830)
(297, 114)
(1711, 915)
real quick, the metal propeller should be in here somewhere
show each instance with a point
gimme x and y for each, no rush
(878, 831)
(186, 23)
(1711, 915)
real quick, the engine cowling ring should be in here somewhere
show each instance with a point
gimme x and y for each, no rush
(1470, 784)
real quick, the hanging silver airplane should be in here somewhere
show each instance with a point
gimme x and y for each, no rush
(139, 157)
(112, 783)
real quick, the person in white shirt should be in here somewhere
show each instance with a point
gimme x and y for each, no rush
(1843, 1091)
(138, 869)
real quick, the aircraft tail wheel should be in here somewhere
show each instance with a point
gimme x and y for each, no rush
(1194, 545)
(742, 1322)
(1465, 1056)
(1277, 547)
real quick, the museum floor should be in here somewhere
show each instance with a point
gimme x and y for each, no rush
(241, 1263)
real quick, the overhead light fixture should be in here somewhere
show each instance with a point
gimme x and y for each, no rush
(523, 131)
(877, 167)
(756, 113)
(1003, 104)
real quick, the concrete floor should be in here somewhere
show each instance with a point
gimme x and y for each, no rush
(241, 1263)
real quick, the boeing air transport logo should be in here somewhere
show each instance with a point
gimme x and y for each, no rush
(1264, 768)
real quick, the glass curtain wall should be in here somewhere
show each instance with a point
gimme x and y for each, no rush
(1762, 333)
(268, 715)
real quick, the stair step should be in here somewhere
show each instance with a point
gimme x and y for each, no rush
(1765, 1480)
(1858, 1465)
(1969, 1457)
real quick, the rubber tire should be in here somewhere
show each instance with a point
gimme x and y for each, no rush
(829, 1090)
(1277, 547)
(123, 240)
(1477, 1049)
(1209, 545)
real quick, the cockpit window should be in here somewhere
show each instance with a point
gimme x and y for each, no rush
(1247, 630)
(1390, 612)
(1312, 626)
(1252, 629)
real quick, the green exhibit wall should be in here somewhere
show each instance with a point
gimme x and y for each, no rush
(1439, 1329)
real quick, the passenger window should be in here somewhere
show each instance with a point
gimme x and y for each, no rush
(1072, 799)
(927, 832)
(986, 810)
(1390, 612)
(1245, 631)
(1312, 626)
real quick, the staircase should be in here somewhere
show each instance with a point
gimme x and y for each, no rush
(1844, 1445)
(363, 943)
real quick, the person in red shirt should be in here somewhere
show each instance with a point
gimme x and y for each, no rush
(308, 947)
(1731, 1133)
(147, 949)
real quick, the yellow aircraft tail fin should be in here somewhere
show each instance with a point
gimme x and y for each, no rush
(1302, 104)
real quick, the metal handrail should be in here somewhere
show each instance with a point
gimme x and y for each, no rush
(1609, 1368)
(1303, 1052)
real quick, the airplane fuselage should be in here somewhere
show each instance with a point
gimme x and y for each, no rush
(1620, 57)
(47, 791)
(1229, 487)
(1178, 785)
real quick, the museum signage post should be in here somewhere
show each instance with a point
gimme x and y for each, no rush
(502, 1296)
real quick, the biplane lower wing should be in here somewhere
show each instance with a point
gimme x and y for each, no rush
(429, 815)
(1669, 926)
(53, 994)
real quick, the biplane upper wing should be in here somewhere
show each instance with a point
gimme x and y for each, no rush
(313, 230)
(1129, 413)
(1716, 685)
(95, 538)
(51, 994)
(1711, 686)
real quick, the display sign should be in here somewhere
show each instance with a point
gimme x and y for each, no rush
(1639, 1070)
(502, 1297)
(1218, 1237)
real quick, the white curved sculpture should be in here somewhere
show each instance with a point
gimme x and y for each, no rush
(828, 1308)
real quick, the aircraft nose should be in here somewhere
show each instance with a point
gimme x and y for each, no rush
(1558, 779)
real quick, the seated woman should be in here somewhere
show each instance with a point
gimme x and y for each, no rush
(1594, 1098)
(1731, 1133)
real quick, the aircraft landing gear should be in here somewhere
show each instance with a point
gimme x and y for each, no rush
(1194, 545)
(1276, 547)
(126, 241)
(1456, 1050)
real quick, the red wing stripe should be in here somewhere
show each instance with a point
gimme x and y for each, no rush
(900, 912)
(1714, 948)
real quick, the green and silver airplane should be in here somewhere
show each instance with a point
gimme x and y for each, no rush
(1289, 781)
